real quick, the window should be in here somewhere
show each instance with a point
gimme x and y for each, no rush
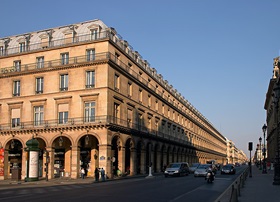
(140, 96)
(90, 79)
(16, 90)
(62, 117)
(65, 58)
(149, 123)
(129, 89)
(22, 47)
(116, 111)
(156, 105)
(117, 58)
(39, 85)
(149, 101)
(63, 82)
(140, 121)
(129, 118)
(63, 113)
(93, 34)
(90, 55)
(39, 62)
(162, 109)
(15, 122)
(38, 115)
(89, 115)
(117, 82)
(17, 65)
(1, 50)
(15, 115)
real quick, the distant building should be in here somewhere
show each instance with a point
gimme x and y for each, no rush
(92, 101)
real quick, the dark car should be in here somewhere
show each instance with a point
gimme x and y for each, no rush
(177, 169)
(228, 169)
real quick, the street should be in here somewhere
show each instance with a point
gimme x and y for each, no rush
(172, 189)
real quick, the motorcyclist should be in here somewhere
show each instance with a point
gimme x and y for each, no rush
(210, 170)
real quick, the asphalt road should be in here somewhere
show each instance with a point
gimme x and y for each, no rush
(158, 189)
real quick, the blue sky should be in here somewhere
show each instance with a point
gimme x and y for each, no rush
(218, 54)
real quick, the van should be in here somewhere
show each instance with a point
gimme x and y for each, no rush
(177, 169)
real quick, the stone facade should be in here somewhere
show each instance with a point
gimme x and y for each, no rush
(92, 101)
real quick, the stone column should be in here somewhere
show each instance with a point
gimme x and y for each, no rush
(51, 163)
(133, 161)
(23, 164)
(159, 166)
(121, 158)
(105, 159)
(143, 160)
(75, 162)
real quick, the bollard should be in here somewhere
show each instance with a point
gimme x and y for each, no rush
(233, 197)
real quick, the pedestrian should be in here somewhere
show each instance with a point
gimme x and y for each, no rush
(102, 171)
(83, 173)
(96, 173)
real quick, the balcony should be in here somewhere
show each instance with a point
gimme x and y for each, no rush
(111, 122)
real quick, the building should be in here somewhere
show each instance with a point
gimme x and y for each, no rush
(92, 101)
(272, 114)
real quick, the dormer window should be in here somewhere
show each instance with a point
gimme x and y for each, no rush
(21, 47)
(93, 34)
(1, 50)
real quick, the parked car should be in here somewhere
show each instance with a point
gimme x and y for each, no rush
(177, 169)
(201, 170)
(193, 167)
(228, 169)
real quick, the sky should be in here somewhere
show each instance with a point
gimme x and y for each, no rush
(217, 53)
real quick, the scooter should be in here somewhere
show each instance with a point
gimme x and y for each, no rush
(209, 177)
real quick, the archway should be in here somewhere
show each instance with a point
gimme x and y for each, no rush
(89, 152)
(115, 154)
(62, 156)
(42, 161)
(15, 149)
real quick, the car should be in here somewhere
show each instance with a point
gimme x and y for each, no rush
(201, 170)
(228, 169)
(177, 169)
(193, 167)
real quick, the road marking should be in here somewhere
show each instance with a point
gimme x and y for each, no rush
(177, 198)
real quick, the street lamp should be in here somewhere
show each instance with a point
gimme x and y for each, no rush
(264, 152)
(260, 152)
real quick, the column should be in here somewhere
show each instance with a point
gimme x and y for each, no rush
(75, 162)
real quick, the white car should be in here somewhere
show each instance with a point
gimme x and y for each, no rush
(201, 170)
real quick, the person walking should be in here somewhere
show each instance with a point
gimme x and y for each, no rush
(83, 173)
(96, 173)
(102, 171)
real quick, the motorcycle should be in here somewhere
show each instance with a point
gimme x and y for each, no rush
(210, 177)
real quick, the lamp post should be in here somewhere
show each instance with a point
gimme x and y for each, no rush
(264, 151)
(276, 96)
(260, 152)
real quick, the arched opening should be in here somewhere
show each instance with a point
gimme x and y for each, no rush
(14, 147)
(62, 156)
(115, 155)
(89, 152)
(42, 147)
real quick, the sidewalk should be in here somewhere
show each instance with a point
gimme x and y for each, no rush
(7, 184)
(259, 187)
